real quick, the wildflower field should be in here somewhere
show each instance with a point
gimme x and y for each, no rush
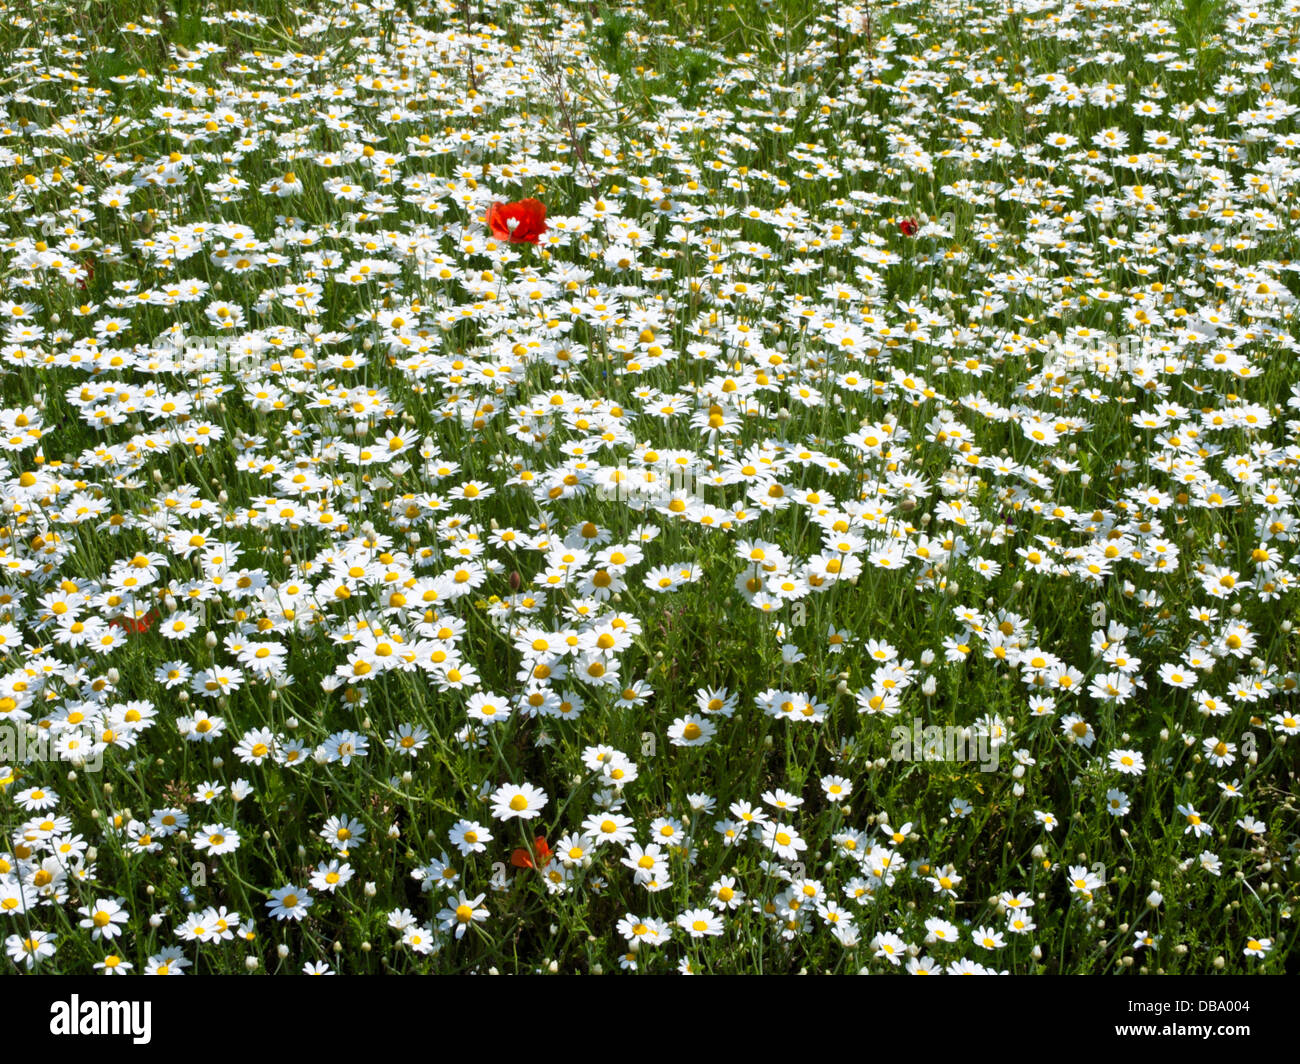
(516, 487)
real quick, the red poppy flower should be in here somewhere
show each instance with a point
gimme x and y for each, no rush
(528, 218)
(136, 625)
(521, 858)
(908, 227)
(84, 282)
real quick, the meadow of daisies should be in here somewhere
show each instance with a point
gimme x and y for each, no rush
(674, 487)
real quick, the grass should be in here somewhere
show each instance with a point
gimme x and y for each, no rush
(815, 133)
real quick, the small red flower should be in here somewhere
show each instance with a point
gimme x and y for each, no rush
(528, 216)
(908, 227)
(136, 625)
(521, 858)
(84, 282)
